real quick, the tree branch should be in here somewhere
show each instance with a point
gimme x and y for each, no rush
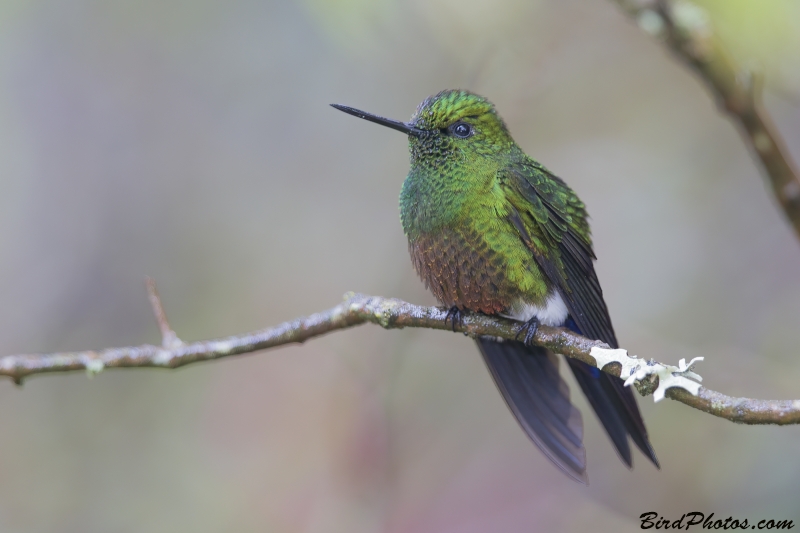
(388, 313)
(685, 29)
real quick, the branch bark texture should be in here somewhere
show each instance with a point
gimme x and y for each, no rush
(686, 30)
(388, 313)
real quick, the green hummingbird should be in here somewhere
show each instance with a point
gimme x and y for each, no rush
(491, 230)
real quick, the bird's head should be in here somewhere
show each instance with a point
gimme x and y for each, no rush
(448, 127)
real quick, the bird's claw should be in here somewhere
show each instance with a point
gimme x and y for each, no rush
(455, 315)
(529, 328)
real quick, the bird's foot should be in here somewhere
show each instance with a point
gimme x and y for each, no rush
(529, 328)
(455, 315)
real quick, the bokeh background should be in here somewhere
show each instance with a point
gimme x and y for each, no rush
(192, 141)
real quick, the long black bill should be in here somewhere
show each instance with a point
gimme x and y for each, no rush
(389, 123)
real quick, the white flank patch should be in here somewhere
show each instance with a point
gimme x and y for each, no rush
(554, 313)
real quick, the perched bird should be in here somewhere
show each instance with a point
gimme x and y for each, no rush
(491, 230)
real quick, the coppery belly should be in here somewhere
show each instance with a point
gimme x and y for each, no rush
(461, 270)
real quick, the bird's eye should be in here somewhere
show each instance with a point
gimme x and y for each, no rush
(462, 130)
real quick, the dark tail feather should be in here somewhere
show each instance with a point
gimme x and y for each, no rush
(616, 408)
(530, 383)
(629, 410)
(613, 403)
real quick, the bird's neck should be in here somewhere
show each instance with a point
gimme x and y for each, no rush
(438, 195)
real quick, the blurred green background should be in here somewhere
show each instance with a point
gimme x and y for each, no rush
(192, 141)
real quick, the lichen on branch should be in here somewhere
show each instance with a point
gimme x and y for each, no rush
(389, 313)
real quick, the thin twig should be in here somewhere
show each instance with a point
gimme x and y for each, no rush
(169, 339)
(686, 30)
(389, 313)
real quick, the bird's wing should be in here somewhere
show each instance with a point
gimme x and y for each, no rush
(552, 222)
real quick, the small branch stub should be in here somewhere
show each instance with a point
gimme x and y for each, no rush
(169, 339)
(648, 377)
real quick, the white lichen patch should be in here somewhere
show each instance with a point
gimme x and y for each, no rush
(691, 18)
(636, 369)
(650, 21)
(162, 358)
(93, 367)
(224, 347)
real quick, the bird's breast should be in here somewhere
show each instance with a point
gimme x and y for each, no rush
(461, 271)
(464, 247)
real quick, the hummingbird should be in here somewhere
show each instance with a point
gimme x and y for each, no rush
(490, 230)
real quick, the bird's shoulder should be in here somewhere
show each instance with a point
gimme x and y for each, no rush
(545, 203)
